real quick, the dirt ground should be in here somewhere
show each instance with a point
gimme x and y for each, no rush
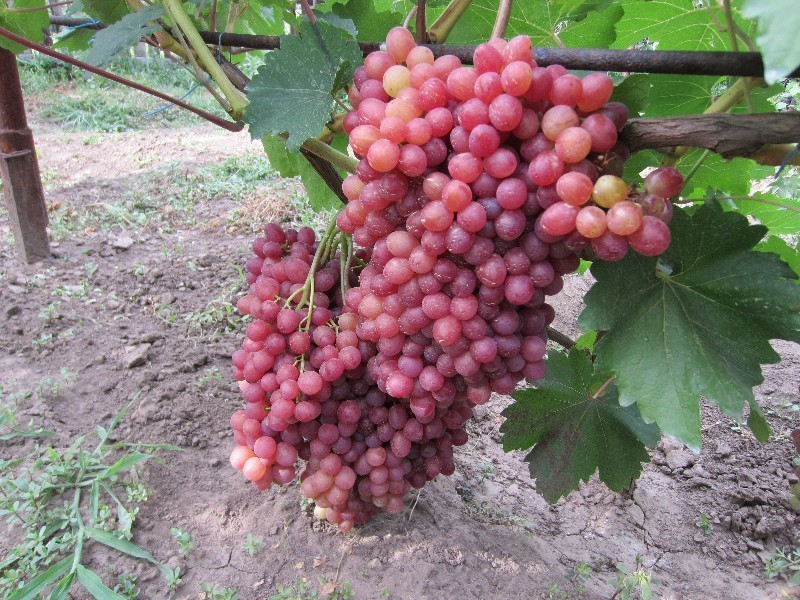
(141, 309)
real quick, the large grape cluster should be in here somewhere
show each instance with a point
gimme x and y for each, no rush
(302, 370)
(478, 189)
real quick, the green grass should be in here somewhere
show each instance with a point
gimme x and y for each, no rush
(76, 101)
(167, 197)
(60, 499)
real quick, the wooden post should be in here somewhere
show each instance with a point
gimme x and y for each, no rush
(19, 168)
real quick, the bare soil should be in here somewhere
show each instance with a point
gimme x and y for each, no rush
(482, 533)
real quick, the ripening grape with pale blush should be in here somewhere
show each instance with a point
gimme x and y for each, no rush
(478, 189)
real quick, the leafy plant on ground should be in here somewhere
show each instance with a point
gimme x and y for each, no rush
(784, 564)
(632, 584)
(215, 592)
(61, 500)
(184, 539)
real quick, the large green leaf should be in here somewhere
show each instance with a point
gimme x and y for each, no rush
(696, 321)
(673, 24)
(371, 20)
(784, 219)
(680, 94)
(107, 11)
(574, 434)
(320, 196)
(292, 91)
(732, 176)
(789, 254)
(30, 25)
(779, 23)
(634, 92)
(545, 21)
(594, 31)
(123, 34)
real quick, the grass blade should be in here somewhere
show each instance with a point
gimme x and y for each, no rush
(126, 462)
(115, 421)
(62, 589)
(124, 546)
(33, 588)
(95, 587)
(28, 433)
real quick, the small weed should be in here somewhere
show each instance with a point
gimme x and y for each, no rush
(185, 540)
(219, 316)
(126, 586)
(632, 584)
(332, 590)
(580, 575)
(50, 387)
(554, 592)
(386, 593)
(703, 523)
(212, 374)
(62, 498)
(91, 269)
(252, 545)
(213, 592)
(784, 564)
(49, 313)
(173, 577)
(43, 341)
(302, 590)
(9, 401)
(364, 571)
(138, 269)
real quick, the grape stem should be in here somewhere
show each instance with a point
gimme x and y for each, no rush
(501, 22)
(330, 154)
(604, 387)
(442, 27)
(420, 35)
(561, 339)
(237, 100)
(309, 13)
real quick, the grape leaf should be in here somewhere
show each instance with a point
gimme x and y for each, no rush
(788, 254)
(320, 196)
(696, 321)
(595, 31)
(729, 176)
(74, 40)
(574, 434)
(107, 11)
(779, 22)
(674, 24)
(634, 92)
(292, 91)
(545, 21)
(30, 25)
(371, 23)
(680, 94)
(778, 219)
(126, 32)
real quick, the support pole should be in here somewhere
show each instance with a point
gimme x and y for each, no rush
(22, 185)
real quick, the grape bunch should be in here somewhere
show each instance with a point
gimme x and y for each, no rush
(302, 371)
(477, 190)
